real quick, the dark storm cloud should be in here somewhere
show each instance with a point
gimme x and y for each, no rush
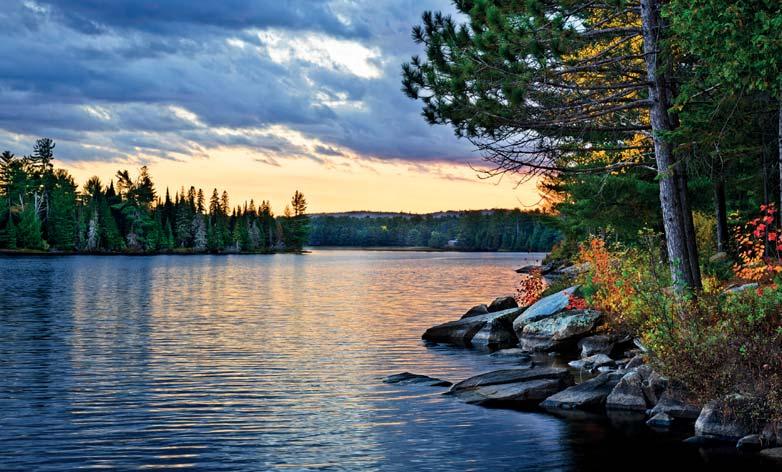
(112, 80)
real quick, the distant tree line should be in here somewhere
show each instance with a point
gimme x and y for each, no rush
(41, 208)
(494, 230)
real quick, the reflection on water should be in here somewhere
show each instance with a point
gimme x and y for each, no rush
(265, 362)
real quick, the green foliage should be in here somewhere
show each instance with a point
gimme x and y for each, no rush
(495, 230)
(28, 235)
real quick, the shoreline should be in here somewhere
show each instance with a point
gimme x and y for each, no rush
(307, 250)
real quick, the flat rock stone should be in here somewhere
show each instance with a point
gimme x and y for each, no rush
(674, 402)
(477, 310)
(586, 395)
(592, 362)
(410, 378)
(717, 422)
(660, 420)
(521, 386)
(544, 308)
(750, 442)
(773, 454)
(461, 332)
(512, 352)
(503, 303)
(559, 331)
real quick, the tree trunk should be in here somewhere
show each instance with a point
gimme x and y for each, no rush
(779, 151)
(673, 209)
(721, 214)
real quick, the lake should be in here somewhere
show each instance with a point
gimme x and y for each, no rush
(274, 363)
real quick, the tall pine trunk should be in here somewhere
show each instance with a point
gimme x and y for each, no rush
(677, 219)
(720, 210)
(779, 151)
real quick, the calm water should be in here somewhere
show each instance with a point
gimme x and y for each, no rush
(271, 362)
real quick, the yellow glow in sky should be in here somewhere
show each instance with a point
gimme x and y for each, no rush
(340, 183)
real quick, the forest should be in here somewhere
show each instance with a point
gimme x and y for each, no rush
(488, 230)
(653, 130)
(42, 209)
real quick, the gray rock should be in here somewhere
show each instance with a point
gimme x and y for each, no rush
(495, 334)
(461, 332)
(750, 443)
(660, 420)
(542, 269)
(559, 331)
(575, 269)
(674, 402)
(717, 421)
(477, 310)
(586, 395)
(654, 385)
(512, 352)
(592, 362)
(628, 394)
(741, 288)
(606, 368)
(718, 257)
(770, 436)
(409, 378)
(543, 308)
(635, 362)
(520, 386)
(597, 344)
(503, 303)
(773, 454)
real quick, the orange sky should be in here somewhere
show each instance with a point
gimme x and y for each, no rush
(338, 184)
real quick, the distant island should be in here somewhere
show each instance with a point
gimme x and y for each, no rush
(476, 230)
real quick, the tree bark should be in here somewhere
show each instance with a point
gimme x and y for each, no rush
(779, 151)
(721, 214)
(680, 254)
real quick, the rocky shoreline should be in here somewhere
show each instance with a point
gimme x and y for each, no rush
(613, 371)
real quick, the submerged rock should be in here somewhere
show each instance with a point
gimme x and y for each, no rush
(660, 420)
(558, 331)
(773, 454)
(410, 378)
(750, 443)
(717, 421)
(502, 303)
(544, 308)
(477, 310)
(586, 395)
(525, 386)
(461, 332)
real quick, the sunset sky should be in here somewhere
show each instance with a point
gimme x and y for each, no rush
(256, 97)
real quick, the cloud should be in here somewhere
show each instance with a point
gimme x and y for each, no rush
(143, 79)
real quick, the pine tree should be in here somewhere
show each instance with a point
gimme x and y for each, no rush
(29, 230)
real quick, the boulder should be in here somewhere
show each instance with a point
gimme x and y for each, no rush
(586, 395)
(628, 393)
(526, 386)
(477, 310)
(575, 269)
(773, 454)
(636, 362)
(638, 390)
(592, 362)
(560, 331)
(543, 308)
(718, 422)
(409, 378)
(502, 303)
(531, 269)
(597, 344)
(750, 443)
(608, 344)
(674, 402)
(461, 332)
(660, 420)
